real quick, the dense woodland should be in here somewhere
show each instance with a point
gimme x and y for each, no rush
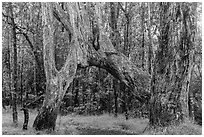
(141, 60)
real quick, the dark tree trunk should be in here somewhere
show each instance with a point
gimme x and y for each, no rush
(9, 64)
(143, 34)
(150, 54)
(76, 91)
(21, 81)
(46, 118)
(14, 96)
(26, 117)
(116, 88)
(122, 90)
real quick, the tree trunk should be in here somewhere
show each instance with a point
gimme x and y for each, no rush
(9, 64)
(126, 33)
(114, 8)
(116, 88)
(76, 100)
(171, 73)
(82, 54)
(150, 54)
(57, 81)
(14, 96)
(22, 81)
(143, 34)
(26, 117)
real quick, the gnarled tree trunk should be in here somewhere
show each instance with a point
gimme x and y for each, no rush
(172, 69)
(82, 54)
(57, 81)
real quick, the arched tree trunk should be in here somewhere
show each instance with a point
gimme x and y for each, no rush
(82, 54)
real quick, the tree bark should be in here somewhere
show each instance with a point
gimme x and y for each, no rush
(150, 54)
(82, 54)
(9, 63)
(171, 73)
(21, 81)
(115, 41)
(143, 34)
(126, 32)
(14, 96)
(57, 81)
(116, 88)
(26, 117)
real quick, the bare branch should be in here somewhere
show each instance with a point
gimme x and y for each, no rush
(121, 7)
(60, 15)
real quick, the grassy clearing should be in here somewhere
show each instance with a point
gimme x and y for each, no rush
(95, 125)
(105, 122)
(74, 124)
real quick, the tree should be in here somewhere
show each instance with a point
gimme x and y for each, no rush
(114, 12)
(173, 65)
(143, 33)
(14, 95)
(150, 40)
(81, 54)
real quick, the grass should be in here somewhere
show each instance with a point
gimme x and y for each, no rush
(105, 121)
(10, 129)
(187, 128)
(95, 125)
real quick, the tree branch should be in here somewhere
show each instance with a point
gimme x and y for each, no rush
(7, 16)
(60, 15)
(121, 7)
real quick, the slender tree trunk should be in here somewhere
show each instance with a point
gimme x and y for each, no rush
(116, 88)
(76, 100)
(26, 117)
(126, 33)
(22, 81)
(126, 52)
(14, 96)
(34, 80)
(9, 63)
(143, 35)
(150, 54)
(191, 105)
(115, 42)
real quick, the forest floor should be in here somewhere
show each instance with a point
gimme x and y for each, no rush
(93, 125)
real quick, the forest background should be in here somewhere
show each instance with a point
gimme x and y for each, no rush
(152, 53)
